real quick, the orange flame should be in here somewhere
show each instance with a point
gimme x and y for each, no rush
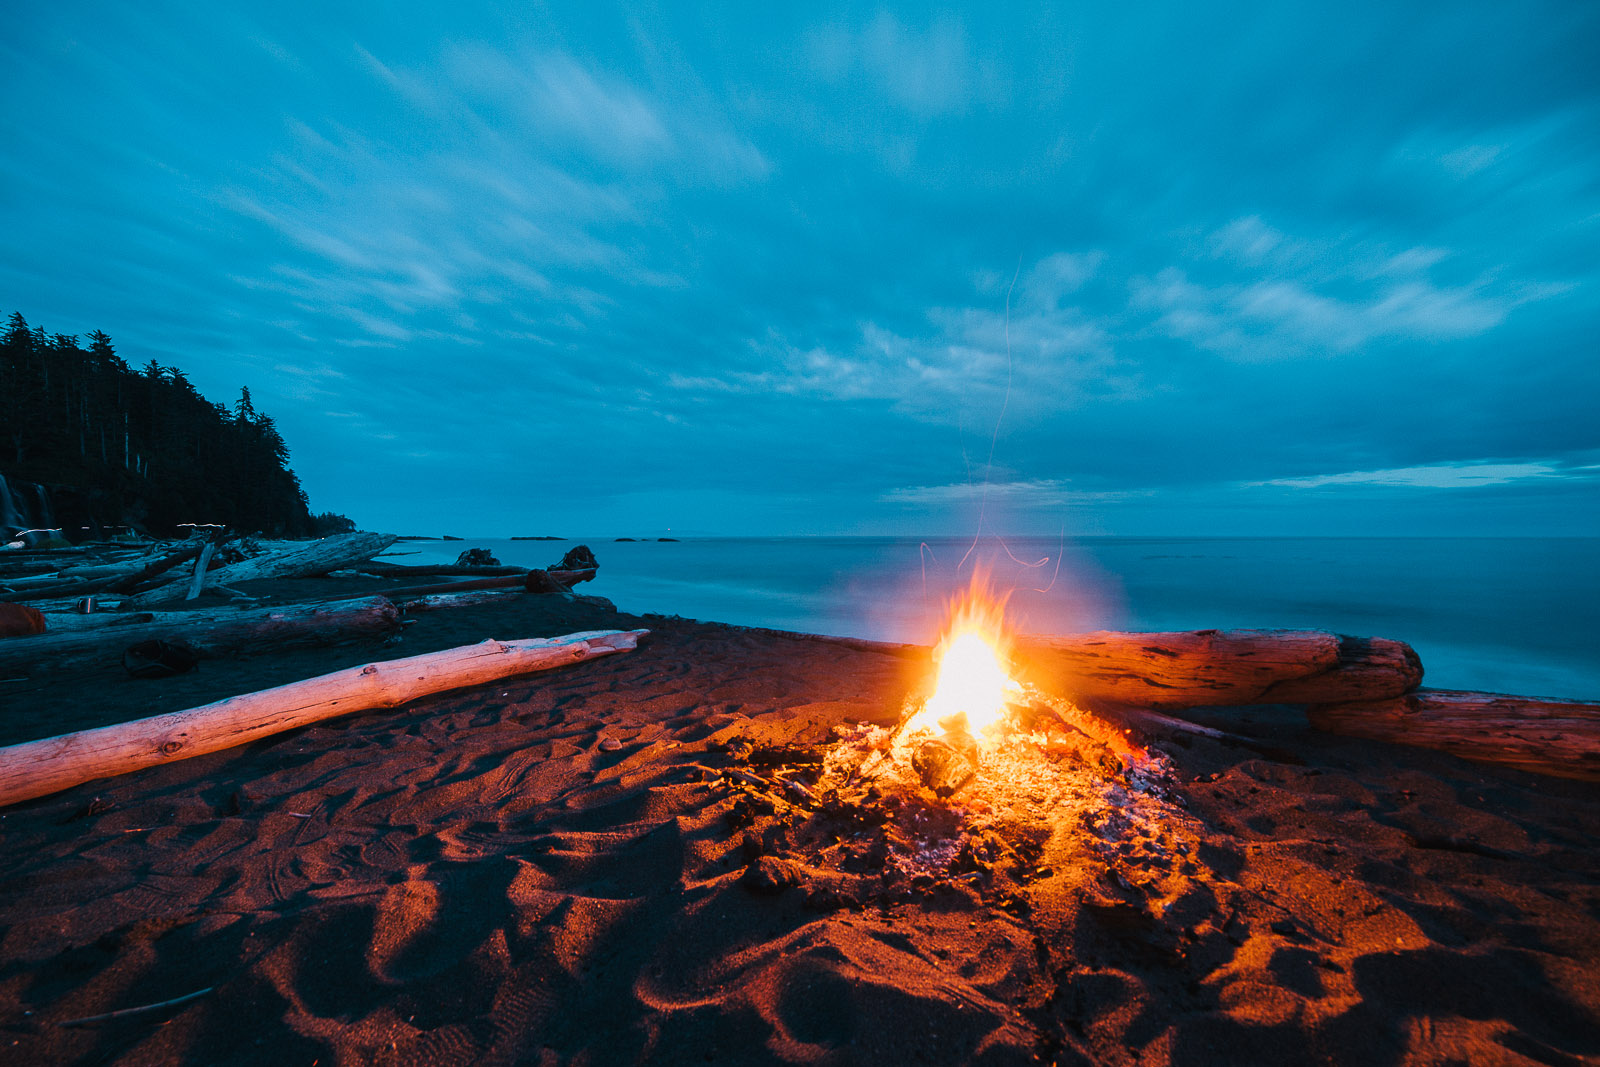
(973, 681)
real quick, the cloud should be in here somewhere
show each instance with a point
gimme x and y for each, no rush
(1280, 318)
(957, 358)
(1030, 493)
(928, 72)
(1436, 476)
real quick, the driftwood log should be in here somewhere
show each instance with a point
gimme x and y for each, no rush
(56, 622)
(311, 558)
(127, 583)
(445, 601)
(442, 601)
(200, 566)
(38, 768)
(449, 570)
(564, 579)
(211, 633)
(1218, 667)
(1555, 737)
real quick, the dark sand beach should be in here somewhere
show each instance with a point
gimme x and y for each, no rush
(556, 869)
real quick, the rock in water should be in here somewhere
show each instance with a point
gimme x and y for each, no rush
(477, 557)
(578, 558)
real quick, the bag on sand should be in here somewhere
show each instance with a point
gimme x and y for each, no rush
(18, 620)
(159, 659)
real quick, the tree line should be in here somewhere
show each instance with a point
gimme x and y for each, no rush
(140, 447)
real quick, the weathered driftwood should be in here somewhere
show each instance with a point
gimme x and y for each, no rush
(476, 598)
(115, 578)
(302, 560)
(127, 583)
(57, 622)
(566, 579)
(55, 763)
(25, 569)
(200, 566)
(211, 633)
(1217, 667)
(93, 571)
(1555, 737)
(43, 585)
(449, 570)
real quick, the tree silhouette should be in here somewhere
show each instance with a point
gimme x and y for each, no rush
(139, 447)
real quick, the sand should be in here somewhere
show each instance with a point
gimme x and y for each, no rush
(557, 869)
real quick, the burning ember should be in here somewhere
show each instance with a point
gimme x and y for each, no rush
(974, 685)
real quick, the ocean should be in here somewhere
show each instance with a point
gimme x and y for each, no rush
(1513, 615)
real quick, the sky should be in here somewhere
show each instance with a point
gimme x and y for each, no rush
(1132, 269)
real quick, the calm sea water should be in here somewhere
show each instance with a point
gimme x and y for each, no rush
(1518, 615)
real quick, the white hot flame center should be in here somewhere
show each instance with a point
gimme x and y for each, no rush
(971, 682)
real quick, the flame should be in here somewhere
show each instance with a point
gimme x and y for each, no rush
(973, 681)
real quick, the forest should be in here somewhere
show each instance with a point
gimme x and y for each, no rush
(114, 447)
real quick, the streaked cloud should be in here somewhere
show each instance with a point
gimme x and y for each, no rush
(1438, 476)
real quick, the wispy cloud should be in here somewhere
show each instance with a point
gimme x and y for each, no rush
(1434, 476)
(1032, 493)
(927, 71)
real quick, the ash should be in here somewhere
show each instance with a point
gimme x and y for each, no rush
(877, 815)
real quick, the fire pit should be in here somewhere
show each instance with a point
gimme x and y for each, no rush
(984, 786)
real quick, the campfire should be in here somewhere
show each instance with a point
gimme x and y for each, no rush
(985, 785)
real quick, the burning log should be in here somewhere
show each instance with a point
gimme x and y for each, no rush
(1554, 737)
(41, 767)
(210, 633)
(942, 768)
(1219, 667)
(313, 558)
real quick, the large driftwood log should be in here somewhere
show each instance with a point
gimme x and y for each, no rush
(1556, 737)
(1218, 667)
(449, 570)
(40, 584)
(476, 598)
(212, 633)
(57, 622)
(55, 763)
(311, 558)
(565, 579)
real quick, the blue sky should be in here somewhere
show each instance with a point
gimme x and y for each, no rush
(1128, 269)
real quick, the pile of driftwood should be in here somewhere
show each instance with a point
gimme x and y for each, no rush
(135, 576)
(35, 642)
(45, 631)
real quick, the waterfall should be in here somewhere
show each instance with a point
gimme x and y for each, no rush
(10, 514)
(25, 507)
